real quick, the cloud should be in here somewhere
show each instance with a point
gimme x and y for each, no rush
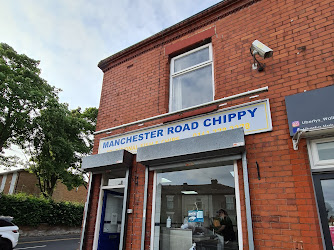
(71, 37)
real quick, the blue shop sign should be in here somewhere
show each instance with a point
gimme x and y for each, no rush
(254, 117)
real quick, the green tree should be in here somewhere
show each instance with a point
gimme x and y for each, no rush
(31, 116)
(22, 93)
(56, 146)
(90, 116)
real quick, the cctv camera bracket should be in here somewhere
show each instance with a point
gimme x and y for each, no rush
(256, 62)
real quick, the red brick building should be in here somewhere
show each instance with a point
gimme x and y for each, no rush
(21, 181)
(189, 123)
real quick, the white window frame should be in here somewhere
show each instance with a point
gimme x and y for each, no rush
(12, 183)
(316, 164)
(189, 69)
(3, 183)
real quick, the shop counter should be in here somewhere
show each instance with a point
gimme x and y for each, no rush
(176, 238)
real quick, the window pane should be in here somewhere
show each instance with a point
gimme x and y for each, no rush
(325, 151)
(197, 196)
(191, 59)
(192, 88)
(113, 213)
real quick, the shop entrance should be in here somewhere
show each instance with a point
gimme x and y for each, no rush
(321, 153)
(111, 218)
(324, 186)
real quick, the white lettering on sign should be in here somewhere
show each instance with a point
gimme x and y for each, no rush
(254, 117)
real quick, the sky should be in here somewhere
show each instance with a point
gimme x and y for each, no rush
(71, 37)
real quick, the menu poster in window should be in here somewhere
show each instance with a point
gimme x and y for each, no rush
(113, 219)
(195, 216)
(331, 229)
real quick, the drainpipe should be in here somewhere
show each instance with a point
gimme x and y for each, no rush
(247, 203)
(143, 228)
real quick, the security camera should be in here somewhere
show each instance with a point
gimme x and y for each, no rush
(260, 49)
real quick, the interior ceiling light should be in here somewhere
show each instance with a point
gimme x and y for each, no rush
(189, 192)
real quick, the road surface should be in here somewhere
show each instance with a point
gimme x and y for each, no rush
(63, 242)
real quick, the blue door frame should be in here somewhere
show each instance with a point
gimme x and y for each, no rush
(108, 241)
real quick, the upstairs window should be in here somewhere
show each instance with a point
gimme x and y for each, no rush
(191, 81)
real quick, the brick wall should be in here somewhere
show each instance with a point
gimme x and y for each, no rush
(135, 202)
(136, 86)
(78, 194)
(28, 183)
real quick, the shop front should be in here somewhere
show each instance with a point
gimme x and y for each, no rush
(324, 186)
(311, 116)
(187, 151)
(196, 193)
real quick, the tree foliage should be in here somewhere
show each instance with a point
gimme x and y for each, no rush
(22, 93)
(11, 161)
(90, 116)
(60, 138)
(31, 116)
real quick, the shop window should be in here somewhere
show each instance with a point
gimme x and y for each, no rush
(191, 80)
(324, 186)
(203, 200)
(322, 153)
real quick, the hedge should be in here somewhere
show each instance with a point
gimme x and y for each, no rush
(28, 210)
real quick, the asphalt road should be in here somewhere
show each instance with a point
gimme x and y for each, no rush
(63, 242)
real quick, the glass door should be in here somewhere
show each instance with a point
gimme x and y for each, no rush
(111, 220)
(324, 187)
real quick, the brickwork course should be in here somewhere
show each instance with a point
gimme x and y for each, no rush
(136, 86)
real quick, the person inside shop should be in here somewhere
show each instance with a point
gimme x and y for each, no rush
(224, 227)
